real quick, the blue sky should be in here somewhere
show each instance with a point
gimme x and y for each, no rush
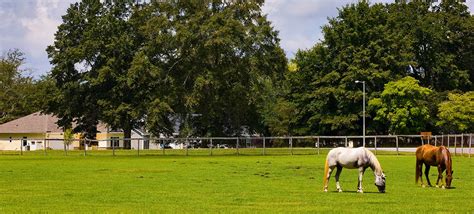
(29, 25)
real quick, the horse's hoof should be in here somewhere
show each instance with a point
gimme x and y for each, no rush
(423, 186)
(325, 190)
(339, 190)
(437, 186)
(443, 187)
(360, 191)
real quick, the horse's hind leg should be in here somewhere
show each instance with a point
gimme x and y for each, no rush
(419, 174)
(427, 173)
(338, 172)
(328, 175)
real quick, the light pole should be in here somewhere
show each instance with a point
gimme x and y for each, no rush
(363, 111)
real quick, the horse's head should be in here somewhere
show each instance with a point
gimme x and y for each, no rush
(380, 182)
(449, 178)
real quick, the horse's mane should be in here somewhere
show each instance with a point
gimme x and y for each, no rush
(374, 162)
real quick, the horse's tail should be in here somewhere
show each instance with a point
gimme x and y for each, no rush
(419, 164)
(325, 176)
(418, 171)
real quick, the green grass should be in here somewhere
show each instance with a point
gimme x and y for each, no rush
(225, 183)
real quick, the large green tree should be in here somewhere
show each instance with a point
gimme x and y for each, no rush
(441, 42)
(358, 44)
(377, 44)
(91, 57)
(161, 63)
(20, 94)
(210, 61)
(403, 106)
(457, 113)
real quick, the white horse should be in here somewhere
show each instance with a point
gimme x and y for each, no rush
(353, 158)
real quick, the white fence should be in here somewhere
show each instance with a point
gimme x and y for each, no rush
(457, 143)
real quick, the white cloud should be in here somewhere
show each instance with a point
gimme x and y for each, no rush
(39, 30)
(299, 21)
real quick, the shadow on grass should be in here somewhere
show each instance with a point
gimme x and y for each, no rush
(355, 192)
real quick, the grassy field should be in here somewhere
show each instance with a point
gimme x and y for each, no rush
(223, 183)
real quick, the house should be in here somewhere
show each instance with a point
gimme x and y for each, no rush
(141, 140)
(39, 131)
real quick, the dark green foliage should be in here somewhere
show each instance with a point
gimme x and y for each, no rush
(20, 94)
(358, 45)
(379, 44)
(211, 61)
(457, 113)
(403, 106)
(197, 64)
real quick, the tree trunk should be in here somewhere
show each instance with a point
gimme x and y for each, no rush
(127, 134)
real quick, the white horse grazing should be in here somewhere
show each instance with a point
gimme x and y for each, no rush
(353, 158)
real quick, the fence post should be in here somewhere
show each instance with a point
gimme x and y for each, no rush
(237, 146)
(375, 144)
(455, 142)
(113, 146)
(291, 145)
(448, 141)
(187, 145)
(422, 141)
(345, 143)
(263, 151)
(21, 146)
(138, 150)
(470, 143)
(318, 145)
(65, 151)
(85, 147)
(44, 146)
(163, 146)
(211, 147)
(462, 144)
(436, 139)
(396, 141)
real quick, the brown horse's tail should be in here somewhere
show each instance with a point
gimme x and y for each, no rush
(419, 164)
(418, 171)
(325, 176)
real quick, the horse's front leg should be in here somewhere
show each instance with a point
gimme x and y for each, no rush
(427, 173)
(361, 175)
(338, 172)
(440, 175)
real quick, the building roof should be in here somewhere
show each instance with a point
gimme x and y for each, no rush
(37, 123)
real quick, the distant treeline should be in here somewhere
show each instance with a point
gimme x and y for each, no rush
(217, 69)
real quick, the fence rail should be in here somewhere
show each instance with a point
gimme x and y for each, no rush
(254, 145)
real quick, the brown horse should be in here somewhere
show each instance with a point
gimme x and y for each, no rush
(434, 156)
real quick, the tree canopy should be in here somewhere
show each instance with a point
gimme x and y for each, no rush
(457, 113)
(403, 105)
(379, 44)
(20, 94)
(163, 63)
